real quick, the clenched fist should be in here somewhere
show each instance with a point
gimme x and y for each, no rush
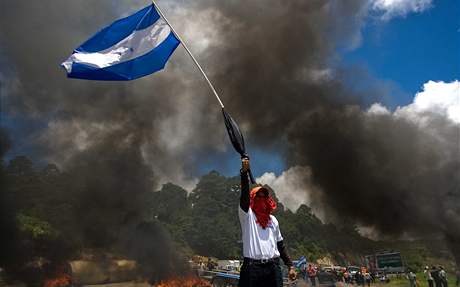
(245, 164)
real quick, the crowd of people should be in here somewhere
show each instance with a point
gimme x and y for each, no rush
(436, 276)
(313, 275)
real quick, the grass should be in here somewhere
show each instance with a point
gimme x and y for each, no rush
(402, 281)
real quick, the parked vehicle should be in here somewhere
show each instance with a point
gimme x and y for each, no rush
(352, 270)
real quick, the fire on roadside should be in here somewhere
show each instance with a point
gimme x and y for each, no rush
(185, 282)
(60, 281)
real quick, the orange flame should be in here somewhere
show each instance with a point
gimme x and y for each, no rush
(185, 282)
(60, 281)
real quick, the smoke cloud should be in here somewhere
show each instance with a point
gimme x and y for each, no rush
(276, 67)
(294, 187)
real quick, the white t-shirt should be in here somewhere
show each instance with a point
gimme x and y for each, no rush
(259, 243)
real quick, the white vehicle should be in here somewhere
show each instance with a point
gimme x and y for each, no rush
(352, 270)
(228, 265)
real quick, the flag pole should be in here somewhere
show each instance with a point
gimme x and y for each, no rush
(188, 51)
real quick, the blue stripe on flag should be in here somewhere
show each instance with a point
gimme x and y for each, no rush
(119, 30)
(146, 64)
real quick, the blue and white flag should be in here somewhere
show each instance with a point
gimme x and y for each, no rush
(129, 48)
(302, 260)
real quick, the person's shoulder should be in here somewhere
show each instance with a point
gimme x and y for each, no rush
(243, 213)
(274, 220)
(249, 212)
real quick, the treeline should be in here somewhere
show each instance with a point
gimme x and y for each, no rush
(80, 209)
(54, 215)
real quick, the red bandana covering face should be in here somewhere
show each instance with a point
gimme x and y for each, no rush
(262, 206)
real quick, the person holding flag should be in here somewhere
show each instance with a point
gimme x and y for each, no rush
(263, 244)
(141, 44)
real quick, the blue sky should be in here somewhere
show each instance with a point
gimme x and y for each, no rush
(408, 51)
(262, 161)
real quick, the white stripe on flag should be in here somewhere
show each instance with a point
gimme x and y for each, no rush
(139, 43)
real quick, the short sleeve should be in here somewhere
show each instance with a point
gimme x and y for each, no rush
(243, 216)
(278, 235)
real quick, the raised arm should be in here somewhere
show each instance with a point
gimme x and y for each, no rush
(244, 197)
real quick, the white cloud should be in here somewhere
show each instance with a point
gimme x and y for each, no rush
(436, 98)
(293, 187)
(378, 109)
(394, 8)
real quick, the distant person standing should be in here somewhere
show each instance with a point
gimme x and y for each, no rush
(303, 272)
(340, 275)
(428, 276)
(367, 277)
(443, 276)
(346, 276)
(312, 274)
(412, 279)
(359, 278)
(435, 274)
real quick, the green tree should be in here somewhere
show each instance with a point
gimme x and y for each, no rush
(215, 230)
(172, 208)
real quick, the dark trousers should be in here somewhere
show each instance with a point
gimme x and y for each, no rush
(260, 275)
(430, 283)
